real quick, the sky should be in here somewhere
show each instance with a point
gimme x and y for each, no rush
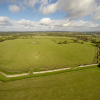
(49, 15)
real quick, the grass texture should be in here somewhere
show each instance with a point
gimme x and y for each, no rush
(20, 55)
(75, 85)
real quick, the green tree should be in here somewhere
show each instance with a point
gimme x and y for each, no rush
(65, 42)
(82, 42)
(60, 42)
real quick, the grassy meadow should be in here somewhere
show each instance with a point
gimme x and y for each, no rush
(75, 85)
(20, 55)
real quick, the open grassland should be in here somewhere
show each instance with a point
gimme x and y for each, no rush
(97, 38)
(20, 55)
(75, 85)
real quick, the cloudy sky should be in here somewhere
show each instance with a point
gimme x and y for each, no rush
(49, 15)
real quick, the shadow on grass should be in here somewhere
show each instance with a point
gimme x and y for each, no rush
(99, 65)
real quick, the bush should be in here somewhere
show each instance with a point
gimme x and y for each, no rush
(76, 40)
(65, 42)
(0, 40)
(60, 42)
(82, 42)
(93, 41)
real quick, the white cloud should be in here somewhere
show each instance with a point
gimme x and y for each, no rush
(46, 24)
(74, 8)
(26, 23)
(30, 3)
(27, 3)
(14, 8)
(78, 8)
(4, 21)
(45, 21)
(96, 16)
(51, 8)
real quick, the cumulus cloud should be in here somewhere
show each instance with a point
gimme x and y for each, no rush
(96, 16)
(26, 23)
(14, 8)
(30, 3)
(47, 24)
(23, 4)
(74, 8)
(45, 21)
(50, 8)
(4, 21)
(72, 24)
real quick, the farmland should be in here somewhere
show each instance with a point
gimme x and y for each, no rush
(75, 85)
(36, 53)
(46, 53)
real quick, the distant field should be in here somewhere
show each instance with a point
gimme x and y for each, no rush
(97, 38)
(20, 55)
(76, 85)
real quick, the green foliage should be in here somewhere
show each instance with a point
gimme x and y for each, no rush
(65, 42)
(60, 42)
(75, 40)
(98, 44)
(1, 40)
(93, 40)
(82, 42)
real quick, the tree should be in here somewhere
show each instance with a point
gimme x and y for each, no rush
(65, 42)
(98, 44)
(82, 42)
(60, 42)
(93, 41)
(76, 40)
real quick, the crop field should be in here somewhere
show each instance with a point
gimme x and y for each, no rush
(44, 53)
(75, 85)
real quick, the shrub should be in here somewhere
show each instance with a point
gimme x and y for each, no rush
(82, 42)
(76, 40)
(65, 42)
(60, 42)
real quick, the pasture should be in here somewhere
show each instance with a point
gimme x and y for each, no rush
(75, 85)
(21, 55)
(44, 53)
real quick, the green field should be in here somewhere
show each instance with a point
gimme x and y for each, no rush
(20, 55)
(75, 85)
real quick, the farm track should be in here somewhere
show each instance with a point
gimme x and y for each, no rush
(17, 75)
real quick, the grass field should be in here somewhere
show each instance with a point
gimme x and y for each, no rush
(73, 84)
(76, 85)
(20, 55)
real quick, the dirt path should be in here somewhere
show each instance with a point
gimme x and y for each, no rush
(50, 71)
(17, 75)
(88, 65)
